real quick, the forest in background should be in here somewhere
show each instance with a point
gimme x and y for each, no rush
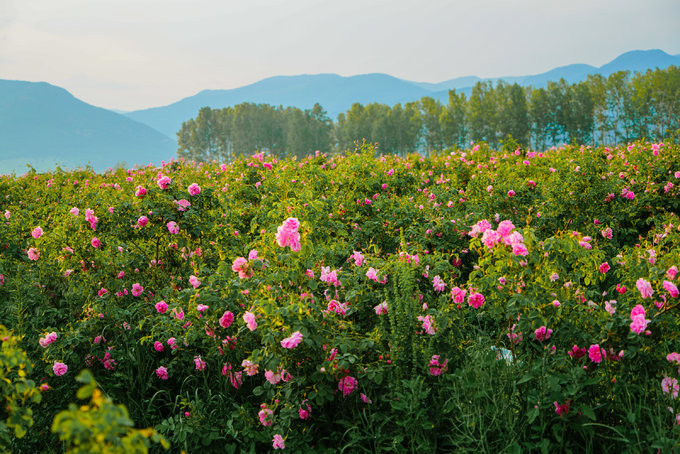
(598, 111)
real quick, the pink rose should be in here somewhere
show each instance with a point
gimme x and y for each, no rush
(476, 300)
(162, 373)
(292, 341)
(249, 318)
(194, 189)
(227, 319)
(59, 368)
(347, 385)
(173, 227)
(645, 288)
(161, 307)
(33, 254)
(671, 288)
(37, 232)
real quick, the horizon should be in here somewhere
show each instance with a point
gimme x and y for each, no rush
(129, 56)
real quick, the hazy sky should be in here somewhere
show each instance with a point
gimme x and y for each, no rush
(133, 54)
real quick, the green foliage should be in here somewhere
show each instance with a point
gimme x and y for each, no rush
(431, 373)
(101, 426)
(18, 390)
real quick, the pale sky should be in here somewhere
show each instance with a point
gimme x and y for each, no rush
(134, 54)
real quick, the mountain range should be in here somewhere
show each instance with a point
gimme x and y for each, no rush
(45, 125)
(336, 94)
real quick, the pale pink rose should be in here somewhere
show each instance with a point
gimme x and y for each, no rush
(173, 227)
(249, 367)
(505, 228)
(428, 324)
(33, 254)
(278, 442)
(381, 309)
(193, 280)
(37, 232)
(249, 318)
(182, 205)
(292, 341)
(645, 288)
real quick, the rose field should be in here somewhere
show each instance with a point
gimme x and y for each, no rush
(472, 301)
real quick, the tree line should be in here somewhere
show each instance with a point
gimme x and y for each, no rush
(599, 110)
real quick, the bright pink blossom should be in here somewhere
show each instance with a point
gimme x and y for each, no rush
(59, 368)
(227, 319)
(163, 182)
(162, 373)
(381, 309)
(161, 307)
(604, 267)
(347, 385)
(595, 353)
(458, 295)
(194, 189)
(543, 333)
(305, 410)
(200, 364)
(671, 288)
(137, 289)
(142, 221)
(140, 191)
(95, 242)
(33, 254)
(476, 300)
(437, 368)
(672, 271)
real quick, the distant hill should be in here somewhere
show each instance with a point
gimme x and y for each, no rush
(337, 93)
(44, 125)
